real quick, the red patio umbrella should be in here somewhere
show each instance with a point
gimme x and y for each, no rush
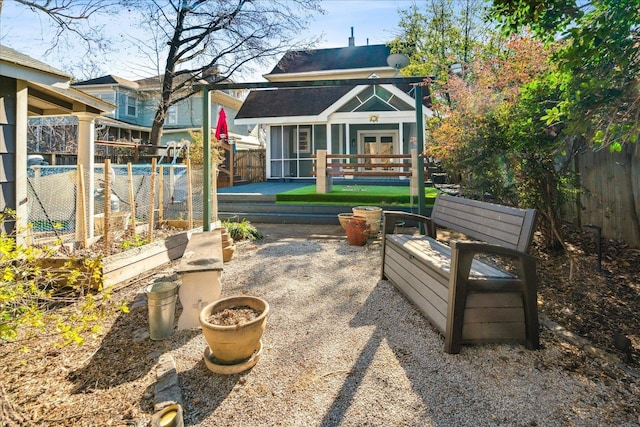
(221, 126)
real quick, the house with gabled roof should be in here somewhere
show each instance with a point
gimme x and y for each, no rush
(362, 119)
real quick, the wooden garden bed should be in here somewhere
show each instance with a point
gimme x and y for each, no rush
(125, 265)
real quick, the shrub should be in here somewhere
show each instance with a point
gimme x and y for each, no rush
(243, 230)
(38, 295)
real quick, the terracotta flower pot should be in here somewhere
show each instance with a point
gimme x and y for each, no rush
(358, 231)
(234, 344)
(227, 253)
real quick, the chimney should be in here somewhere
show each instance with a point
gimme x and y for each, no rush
(352, 41)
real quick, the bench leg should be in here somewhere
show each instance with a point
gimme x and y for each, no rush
(460, 268)
(530, 303)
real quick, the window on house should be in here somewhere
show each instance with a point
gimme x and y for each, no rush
(132, 106)
(172, 115)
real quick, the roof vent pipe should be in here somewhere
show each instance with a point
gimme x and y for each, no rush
(352, 41)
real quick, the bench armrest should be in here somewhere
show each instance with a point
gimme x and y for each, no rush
(462, 254)
(473, 248)
(391, 218)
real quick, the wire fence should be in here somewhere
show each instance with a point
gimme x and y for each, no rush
(57, 195)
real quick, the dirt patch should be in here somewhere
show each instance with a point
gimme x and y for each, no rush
(234, 316)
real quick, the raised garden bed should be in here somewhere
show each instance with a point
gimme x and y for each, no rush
(125, 265)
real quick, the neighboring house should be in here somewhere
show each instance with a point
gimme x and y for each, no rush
(371, 119)
(136, 103)
(30, 88)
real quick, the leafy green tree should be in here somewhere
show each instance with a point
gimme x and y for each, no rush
(439, 34)
(494, 137)
(601, 59)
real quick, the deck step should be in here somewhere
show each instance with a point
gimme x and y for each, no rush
(262, 208)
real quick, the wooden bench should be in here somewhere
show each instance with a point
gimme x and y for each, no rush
(468, 299)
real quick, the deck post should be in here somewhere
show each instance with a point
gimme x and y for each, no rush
(413, 183)
(422, 203)
(323, 180)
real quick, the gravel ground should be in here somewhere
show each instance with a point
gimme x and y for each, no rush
(345, 348)
(341, 348)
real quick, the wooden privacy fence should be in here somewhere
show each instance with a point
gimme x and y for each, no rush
(250, 165)
(610, 193)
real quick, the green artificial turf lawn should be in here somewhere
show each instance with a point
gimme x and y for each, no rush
(355, 194)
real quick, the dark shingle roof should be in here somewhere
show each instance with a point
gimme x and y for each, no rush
(290, 102)
(107, 80)
(343, 58)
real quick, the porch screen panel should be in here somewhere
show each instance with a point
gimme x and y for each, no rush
(276, 142)
(276, 169)
(275, 146)
(291, 168)
(320, 137)
(337, 139)
(288, 141)
(306, 167)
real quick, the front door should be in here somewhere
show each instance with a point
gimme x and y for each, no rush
(378, 142)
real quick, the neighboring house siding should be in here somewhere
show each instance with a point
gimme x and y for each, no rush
(147, 110)
(129, 100)
(187, 115)
(107, 95)
(7, 147)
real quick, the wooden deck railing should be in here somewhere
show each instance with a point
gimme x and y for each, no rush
(325, 167)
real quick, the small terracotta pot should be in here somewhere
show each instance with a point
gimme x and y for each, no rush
(358, 231)
(227, 253)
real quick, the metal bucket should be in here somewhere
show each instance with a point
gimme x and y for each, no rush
(161, 299)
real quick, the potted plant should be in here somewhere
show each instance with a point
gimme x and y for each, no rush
(233, 330)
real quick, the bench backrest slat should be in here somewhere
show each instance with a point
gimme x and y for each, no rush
(502, 225)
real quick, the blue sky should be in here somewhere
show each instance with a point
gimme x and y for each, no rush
(374, 21)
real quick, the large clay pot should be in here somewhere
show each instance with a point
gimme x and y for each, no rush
(357, 231)
(373, 215)
(230, 345)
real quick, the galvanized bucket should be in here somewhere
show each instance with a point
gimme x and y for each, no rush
(161, 299)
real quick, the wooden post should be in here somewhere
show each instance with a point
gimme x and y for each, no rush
(132, 200)
(161, 194)
(422, 203)
(206, 145)
(231, 162)
(323, 180)
(81, 215)
(189, 197)
(107, 208)
(413, 183)
(214, 190)
(152, 200)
